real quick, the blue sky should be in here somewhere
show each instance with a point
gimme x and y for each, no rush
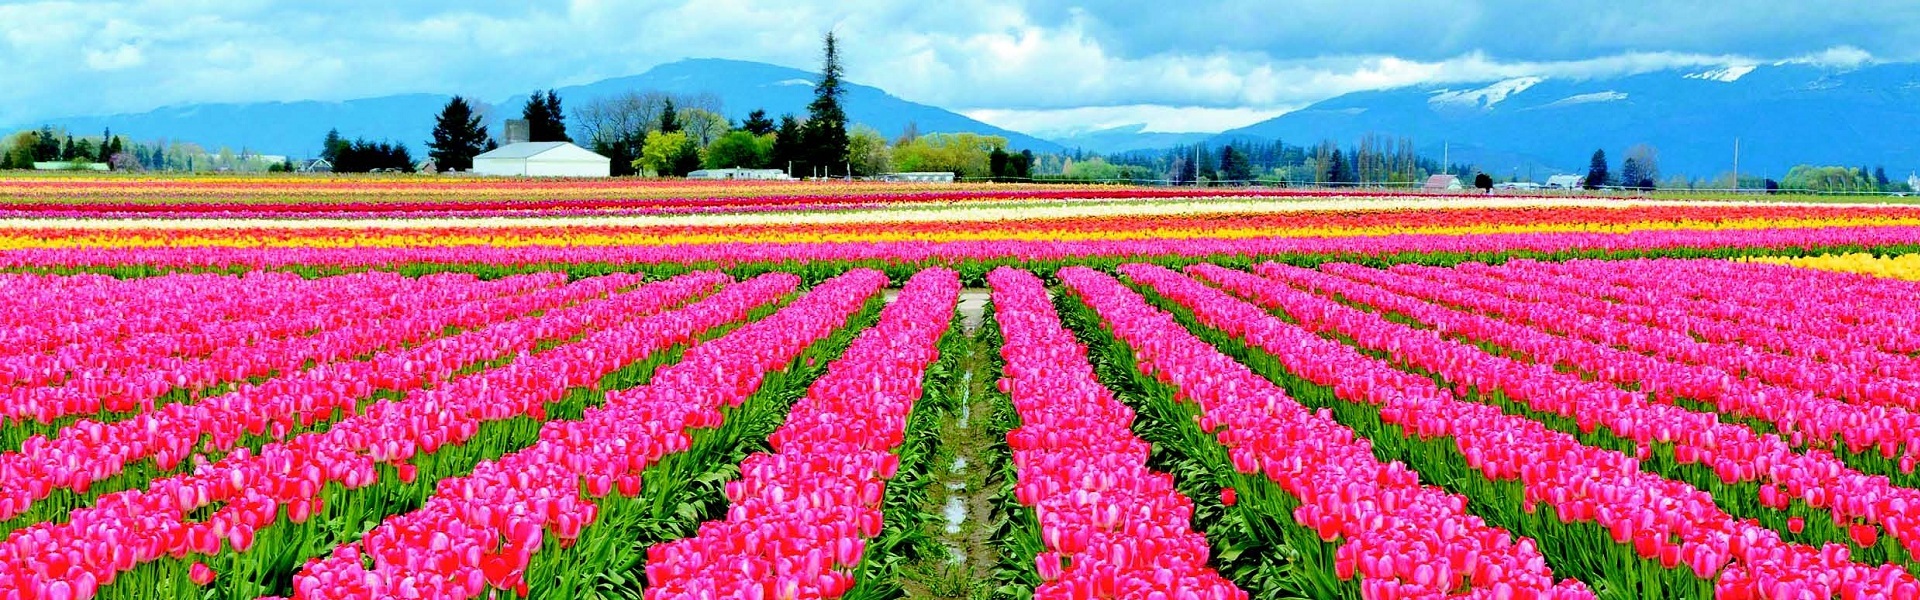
(1033, 65)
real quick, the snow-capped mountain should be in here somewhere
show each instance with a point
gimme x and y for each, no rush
(1783, 114)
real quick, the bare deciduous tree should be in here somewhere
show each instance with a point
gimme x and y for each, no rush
(626, 116)
(1648, 159)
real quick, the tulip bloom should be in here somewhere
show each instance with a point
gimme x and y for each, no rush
(481, 531)
(803, 513)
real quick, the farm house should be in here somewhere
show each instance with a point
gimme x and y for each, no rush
(542, 159)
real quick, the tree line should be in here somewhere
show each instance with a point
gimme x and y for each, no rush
(661, 134)
(1374, 160)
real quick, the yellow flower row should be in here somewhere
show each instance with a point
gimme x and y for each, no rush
(1905, 266)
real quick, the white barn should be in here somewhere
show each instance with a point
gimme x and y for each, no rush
(542, 159)
(1442, 183)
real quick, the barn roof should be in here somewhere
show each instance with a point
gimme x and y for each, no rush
(526, 149)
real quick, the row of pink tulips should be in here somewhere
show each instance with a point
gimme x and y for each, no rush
(89, 452)
(1805, 299)
(1805, 418)
(72, 299)
(1737, 307)
(247, 491)
(482, 531)
(1402, 539)
(921, 251)
(1660, 519)
(75, 309)
(382, 318)
(246, 312)
(801, 516)
(1112, 527)
(1734, 452)
(1563, 313)
(1824, 347)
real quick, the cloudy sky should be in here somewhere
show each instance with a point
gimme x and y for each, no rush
(1033, 65)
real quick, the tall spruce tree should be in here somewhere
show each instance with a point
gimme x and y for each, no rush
(669, 118)
(825, 136)
(1597, 175)
(46, 145)
(788, 145)
(757, 123)
(546, 121)
(458, 136)
(1234, 166)
(331, 147)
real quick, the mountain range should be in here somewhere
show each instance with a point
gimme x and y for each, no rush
(1782, 114)
(295, 129)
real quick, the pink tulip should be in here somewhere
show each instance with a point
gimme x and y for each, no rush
(201, 574)
(632, 430)
(1614, 493)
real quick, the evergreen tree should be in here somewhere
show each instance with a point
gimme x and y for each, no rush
(825, 136)
(1235, 166)
(458, 136)
(757, 123)
(330, 148)
(688, 159)
(46, 147)
(622, 152)
(546, 121)
(997, 163)
(68, 151)
(1631, 173)
(106, 146)
(1597, 175)
(1337, 171)
(1880, 179)
(669, 118)
(360, 156)
(787, 147)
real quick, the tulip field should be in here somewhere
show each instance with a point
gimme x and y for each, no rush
(447, 388)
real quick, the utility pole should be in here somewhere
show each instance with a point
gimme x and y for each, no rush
(1736, 165)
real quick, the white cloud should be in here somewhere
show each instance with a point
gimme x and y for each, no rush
(123, 56)
(1025, 67)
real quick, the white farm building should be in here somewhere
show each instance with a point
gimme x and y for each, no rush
(739, 173)
(1566, 182)
(542, 159)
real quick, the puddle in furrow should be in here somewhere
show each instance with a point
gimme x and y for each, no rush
(966, 399)
(956, 512)
(959, 464)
